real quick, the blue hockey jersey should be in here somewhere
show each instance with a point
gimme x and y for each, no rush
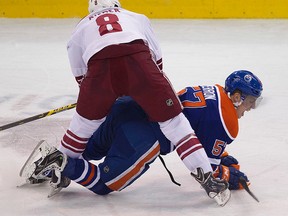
(212, 116)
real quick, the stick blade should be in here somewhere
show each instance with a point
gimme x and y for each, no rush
(243, 182)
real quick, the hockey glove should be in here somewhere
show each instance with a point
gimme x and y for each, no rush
(228, 160)
(231, 175)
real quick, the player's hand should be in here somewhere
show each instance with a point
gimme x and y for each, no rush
(231, 175)
(228, 160)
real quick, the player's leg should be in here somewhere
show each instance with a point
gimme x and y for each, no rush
(133, 149)
(130, 156)
(100, 142)
(95, 99)
(123, 111)
(154, 93)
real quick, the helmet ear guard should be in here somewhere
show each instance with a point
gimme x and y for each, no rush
(97, 5)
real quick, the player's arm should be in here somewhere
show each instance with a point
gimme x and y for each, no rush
(193, 155)
(152, 42)
(78, 66)
(224, 166)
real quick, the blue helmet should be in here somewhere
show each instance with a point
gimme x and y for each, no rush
(244, 81)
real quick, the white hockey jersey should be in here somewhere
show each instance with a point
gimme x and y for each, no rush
(108, 27)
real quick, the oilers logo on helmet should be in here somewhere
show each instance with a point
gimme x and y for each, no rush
(97, 5)
(248, 78)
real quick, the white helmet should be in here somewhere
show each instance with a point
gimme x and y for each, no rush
(96, 5)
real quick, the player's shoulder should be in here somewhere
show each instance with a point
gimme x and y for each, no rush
(188, 90)
(228, 113)
(136, 16)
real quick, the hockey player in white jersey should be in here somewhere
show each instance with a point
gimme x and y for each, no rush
(114, 52)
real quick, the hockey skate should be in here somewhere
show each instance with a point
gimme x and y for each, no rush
(216, 189)
(48, 167)
(39, 152)
(58, 182)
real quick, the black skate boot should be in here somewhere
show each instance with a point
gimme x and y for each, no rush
(55, 160)
(216, 189)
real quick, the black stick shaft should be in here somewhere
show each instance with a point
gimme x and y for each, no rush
(39, 116)
(242, 181)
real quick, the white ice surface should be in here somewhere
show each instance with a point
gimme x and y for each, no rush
(35, 77)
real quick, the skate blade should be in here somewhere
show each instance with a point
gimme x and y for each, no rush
(40, 151)
(30, 159)
(23, 184)
(223, 197)
(54, 191)
(28, 183)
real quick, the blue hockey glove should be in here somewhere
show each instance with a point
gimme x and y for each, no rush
(231, 175)
(228, 160)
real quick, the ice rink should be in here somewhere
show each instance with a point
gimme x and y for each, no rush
(35, 77)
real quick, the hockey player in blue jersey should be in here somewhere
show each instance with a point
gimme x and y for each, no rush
(213, 112)
(129, 142)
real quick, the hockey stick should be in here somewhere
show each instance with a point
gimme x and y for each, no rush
(242, 181)
(39, 116)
